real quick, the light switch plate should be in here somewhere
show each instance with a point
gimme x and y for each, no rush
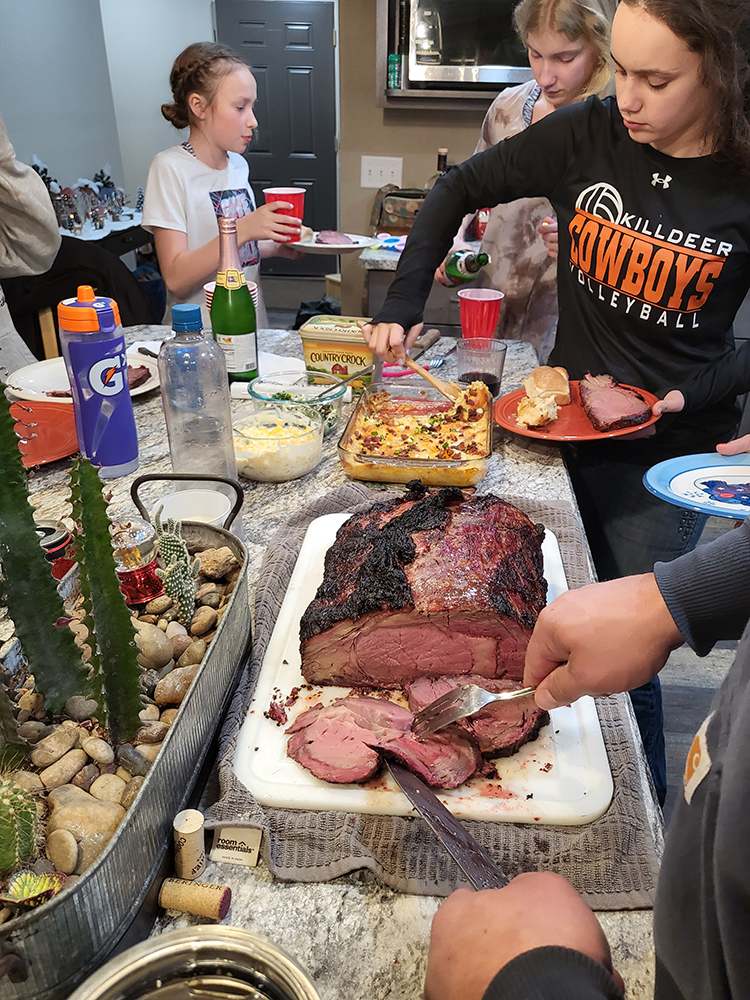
(378, 171)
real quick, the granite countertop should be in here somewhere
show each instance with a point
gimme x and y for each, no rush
(357, 938)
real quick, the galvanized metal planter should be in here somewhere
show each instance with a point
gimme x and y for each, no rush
(63, 941)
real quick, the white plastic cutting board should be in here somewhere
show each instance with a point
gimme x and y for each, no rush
(561, 777)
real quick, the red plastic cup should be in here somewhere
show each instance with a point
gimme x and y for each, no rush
(294, 195)
(480, 309)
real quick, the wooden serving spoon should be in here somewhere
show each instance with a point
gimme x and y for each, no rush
(448, 389)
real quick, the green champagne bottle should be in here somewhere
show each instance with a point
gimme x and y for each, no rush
(233, 322)
(464, 265)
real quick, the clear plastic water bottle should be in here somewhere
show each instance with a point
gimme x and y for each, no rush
(94, 350)
(195, 395)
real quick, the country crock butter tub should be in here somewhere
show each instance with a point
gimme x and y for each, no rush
(334, 345)
(204, 961)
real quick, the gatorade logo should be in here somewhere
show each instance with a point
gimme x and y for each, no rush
(106, 377)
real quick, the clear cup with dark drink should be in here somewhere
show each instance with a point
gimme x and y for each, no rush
(481, 360)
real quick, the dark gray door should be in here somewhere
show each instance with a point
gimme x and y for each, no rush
(289, 45)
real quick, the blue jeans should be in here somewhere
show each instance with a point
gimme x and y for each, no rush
(629, 529)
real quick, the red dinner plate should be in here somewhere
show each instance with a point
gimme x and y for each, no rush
(572, 424)
(48, 431)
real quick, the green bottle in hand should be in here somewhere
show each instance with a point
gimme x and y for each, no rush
(233, 321)
(464, 265)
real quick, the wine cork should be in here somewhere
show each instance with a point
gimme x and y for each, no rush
(200, 898)
(189, 847)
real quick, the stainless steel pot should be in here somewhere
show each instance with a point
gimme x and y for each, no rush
(206, 961)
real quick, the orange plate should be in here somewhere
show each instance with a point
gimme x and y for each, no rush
(572, 424)
(54, 435)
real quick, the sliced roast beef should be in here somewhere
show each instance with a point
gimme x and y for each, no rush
(499, 729)
(339, 743)
(435, 584)
(610, 405)
(332, 236)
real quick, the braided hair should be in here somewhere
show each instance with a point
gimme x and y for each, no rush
(198, 69)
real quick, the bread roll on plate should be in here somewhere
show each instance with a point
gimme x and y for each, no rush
(546, 380)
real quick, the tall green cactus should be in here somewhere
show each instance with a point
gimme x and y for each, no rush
(111, 633)
(30, 591)
(19, 823)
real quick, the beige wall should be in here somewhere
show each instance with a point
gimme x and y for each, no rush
(371, 131)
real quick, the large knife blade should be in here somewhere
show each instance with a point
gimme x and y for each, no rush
(471, 857)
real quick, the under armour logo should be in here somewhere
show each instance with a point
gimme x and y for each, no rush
(664, 181)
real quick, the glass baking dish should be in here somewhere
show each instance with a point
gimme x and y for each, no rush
(396, 469)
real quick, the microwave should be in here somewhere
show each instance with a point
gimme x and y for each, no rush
(459, 44)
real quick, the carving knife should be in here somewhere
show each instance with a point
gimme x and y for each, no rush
(471, 857)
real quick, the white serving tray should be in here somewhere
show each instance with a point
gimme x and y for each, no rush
(561, 777)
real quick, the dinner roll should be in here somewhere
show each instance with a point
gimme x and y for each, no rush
(548, 380)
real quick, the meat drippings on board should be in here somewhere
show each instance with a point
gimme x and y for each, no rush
(430, 585)
(611, 406)
(340, 744)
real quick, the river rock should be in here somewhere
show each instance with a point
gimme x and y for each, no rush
(148, 619)
(169, 715)
(80, 708)
(180, 643)
(203, 620)
(133, 761)
(82, 814)
(31, 702)
(42, 866)
(54, 746)
(173, 688)
(175, 628)
(159, 605)
(193, 654)
(86, 777)
(153, 732)
(108, 788)
(205, 589)
(31, 731)
(216, 563)
(149, 713)
(149, 680)
(98, 750)
(210, 601)
(29, 780)
(155, 648)
(89, 849)
(63, 769)
(62, 850)
(150, 750)
(131, 790)
(125, 775)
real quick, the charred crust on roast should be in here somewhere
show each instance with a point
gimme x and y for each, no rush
(380, 550)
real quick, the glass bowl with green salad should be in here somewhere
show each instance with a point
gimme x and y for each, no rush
(288, 388)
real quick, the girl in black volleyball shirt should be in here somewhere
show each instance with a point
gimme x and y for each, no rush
(652, 196)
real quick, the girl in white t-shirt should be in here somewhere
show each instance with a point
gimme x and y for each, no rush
(191, 184)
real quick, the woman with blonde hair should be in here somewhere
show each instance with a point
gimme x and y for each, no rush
(568, 46)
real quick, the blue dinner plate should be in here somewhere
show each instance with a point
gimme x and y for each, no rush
(709, 483)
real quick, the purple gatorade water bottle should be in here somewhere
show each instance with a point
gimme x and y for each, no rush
(94, 350)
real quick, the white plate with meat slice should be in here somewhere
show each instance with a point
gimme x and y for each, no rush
(335, 242)
(562, 777)
(48, 380)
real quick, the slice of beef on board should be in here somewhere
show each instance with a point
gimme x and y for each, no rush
(433, 584)
(340, 743)
(500, 728)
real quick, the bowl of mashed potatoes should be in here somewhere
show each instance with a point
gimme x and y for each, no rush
(273, 443)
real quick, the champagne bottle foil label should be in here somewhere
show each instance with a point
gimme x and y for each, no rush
(189, 848)
(231, 278)
(239, 351)
(104, 411)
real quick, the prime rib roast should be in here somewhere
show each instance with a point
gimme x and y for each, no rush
(340, 743)
(610, 405)
(431, 585)
(498, 729)
(331, 236)
(421, 593)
